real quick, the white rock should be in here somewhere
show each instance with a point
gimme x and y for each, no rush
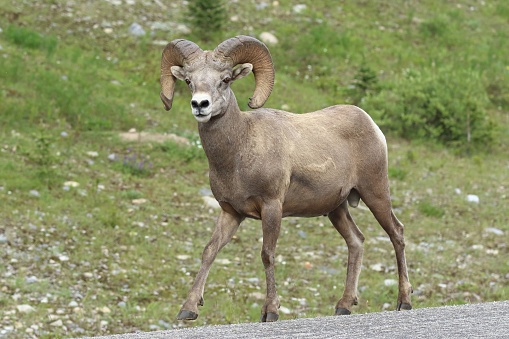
(268, 38)
(25, 308)
(71, 184)
(57, 323)
(223, 261)
(73, 304)
(390, 282)
(457, 191)
(377, 267)
(31, 279)
(132, 130)
(136, 30)
(35, 193)
(139, 201)
(211, 202)
(284, 310)
(299, 8)
(494, 230)
(183, 257)
(183, 29)
(92, 154)
(63, 258)
(105, 310)
(473, 198)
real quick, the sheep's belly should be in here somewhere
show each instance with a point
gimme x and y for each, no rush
(312, 205)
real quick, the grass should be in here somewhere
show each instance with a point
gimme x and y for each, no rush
(118, 250)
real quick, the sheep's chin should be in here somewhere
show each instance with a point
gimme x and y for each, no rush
(203, 118)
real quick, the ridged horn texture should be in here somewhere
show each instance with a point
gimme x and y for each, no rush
(245, 49)
(176, 53)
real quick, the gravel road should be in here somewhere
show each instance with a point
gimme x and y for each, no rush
(486, 320)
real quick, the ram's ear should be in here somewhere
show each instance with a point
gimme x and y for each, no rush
(178, 72)
(241, 71)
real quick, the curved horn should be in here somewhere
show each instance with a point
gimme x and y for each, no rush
(242, 49)
(176, 53)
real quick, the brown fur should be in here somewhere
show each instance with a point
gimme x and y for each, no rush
(267, 164)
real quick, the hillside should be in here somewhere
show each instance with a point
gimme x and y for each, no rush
(99, 235)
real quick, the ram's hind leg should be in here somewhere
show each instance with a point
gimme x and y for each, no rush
(344, 224)
(379, 203)
(226, 226)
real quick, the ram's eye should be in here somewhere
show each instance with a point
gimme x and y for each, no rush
(227, 80)
(188, 82)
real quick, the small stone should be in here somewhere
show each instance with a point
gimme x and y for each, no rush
(268, 38)
(183, 257)
(71, 184)
(457, 191)
(211, 202)
(31, 279)
(132, 130)
(302, 234)
(57, 323)
(35, 193)
(64, 134)
(257, 295)
(112, 157)
(494, 230)
(223, 261)
(73, 304)
(92, 154)
(184, 29)
(164, 324)
(105, 310)
(284, 310)
(122, 304)
(138, 201)
(377, 267)
(3, 239)
(136, 29)
(108, 30)
(473, 198)
(63, 258)
(298, 9)
(88, 275)
(390, 282)
(25, 308)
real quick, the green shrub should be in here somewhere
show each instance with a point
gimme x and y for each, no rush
(206, 18)
(443, 104)
(27, 38)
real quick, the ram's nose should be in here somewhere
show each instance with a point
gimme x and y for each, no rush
(199, 105)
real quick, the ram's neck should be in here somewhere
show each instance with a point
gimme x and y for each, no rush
(222, 136)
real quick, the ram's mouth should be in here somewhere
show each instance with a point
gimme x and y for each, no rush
(202, 117)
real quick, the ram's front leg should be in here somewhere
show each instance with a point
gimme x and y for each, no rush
(271, 224)
(226, 226)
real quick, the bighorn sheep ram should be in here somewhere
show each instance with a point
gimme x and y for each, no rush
(268, 164)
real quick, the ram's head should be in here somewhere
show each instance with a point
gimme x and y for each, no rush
(210, 73)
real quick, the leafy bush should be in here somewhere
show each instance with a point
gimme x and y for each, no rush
(443, 104)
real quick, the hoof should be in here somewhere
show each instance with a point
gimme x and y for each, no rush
(269, 317)
(342, 311)
(404, 306)
(187, 315)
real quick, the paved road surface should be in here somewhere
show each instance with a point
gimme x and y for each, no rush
(487, 320)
